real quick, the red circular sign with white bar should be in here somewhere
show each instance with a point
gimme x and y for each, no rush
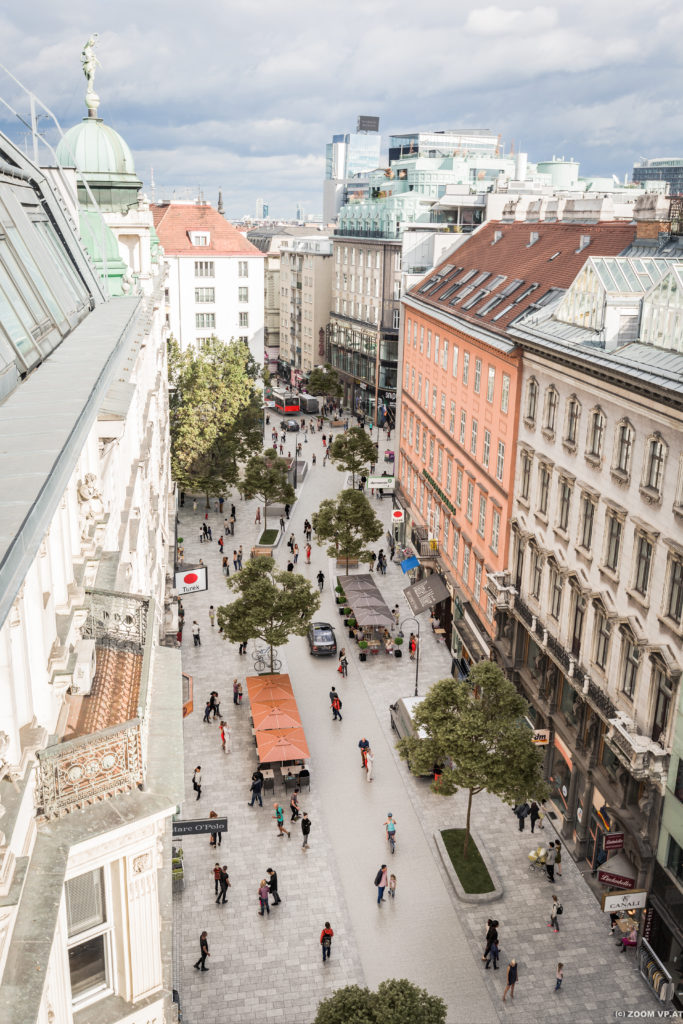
(397, 515)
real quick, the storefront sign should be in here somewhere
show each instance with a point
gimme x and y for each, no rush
(614, 841)
(397, 515)
(199, 826)
(426, 593)
(620, 881)
(614, 901)
(191, 581)
(541, 737)
(387, 483)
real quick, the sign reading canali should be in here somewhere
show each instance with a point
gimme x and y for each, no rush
(191, 581)
(614, 901)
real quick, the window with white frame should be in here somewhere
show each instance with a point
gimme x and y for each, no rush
(573, 417)
(654, 463)
(455, 360)
(429, 344)
(555, 584)
(442, 417)
(551, 403)
(564, 504)
(412, 382)
(449, 475)
(673, 605)
(469, 509)
(427, 393)
(602, 632)
(630, 663)
(596, 434)
(415, 334)
(243, 319)
(531, 400)
(202, 321)
(243, 267)
(587, 521)
(525, 476)
(662, 690)
(204, 268)
(477, 376)
(463, 425)
(424, 445)
(431, 454)
(466, 368)
(439, 464)
(422, 339)
(487, 449)
(89, 937)
(466, 563)
(436, 349)
(491, 384)
(417, 435)
(456, 545)
(473, 437)
(395, 318)
(642, 563)
(613, 533)
(500, 460)
(205, 295)
(419, 388)
(444, 358)
(495, 530)
(543, 489)
(243, 294)
(623, 448)
(536, 570)
(481, 525)
(199, 238)
(477, 580)
(458, 488)
(505, 394)
(434, 398)
(451, 420)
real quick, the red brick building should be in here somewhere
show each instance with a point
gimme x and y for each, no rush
(460, 403)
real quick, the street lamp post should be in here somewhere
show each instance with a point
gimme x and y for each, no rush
(417, 653)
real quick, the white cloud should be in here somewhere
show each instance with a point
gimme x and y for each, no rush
(495, 21)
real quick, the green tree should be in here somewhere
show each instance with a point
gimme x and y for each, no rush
(271, 605)
(396, 1001)
(324, 380)
(349, 523)
(265, 477)
(354, 451)
(214, 413)
(476, 729)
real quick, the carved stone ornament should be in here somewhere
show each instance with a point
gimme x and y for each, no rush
(142, 863)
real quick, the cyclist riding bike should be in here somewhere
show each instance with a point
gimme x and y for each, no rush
(390, 826)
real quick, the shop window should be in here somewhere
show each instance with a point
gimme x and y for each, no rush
(678, 784)
(560, 780)
(674, 859)
(89, 937)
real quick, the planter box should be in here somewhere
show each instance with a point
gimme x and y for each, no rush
(398, 653)
(467, 897)
(363, 656)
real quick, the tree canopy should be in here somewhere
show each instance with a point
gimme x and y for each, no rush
(271, 604)
(354, 451)
(396, 1001)
(215, 413)
(475, 728)
(265, 477)
(350, 524)
(324, 380)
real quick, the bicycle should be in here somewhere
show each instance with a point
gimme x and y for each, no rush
(390, 826)
(265, 666)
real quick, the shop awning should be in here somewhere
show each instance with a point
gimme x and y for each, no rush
(366, 602)
(470, 639)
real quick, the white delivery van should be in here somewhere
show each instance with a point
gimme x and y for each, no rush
(402, 717)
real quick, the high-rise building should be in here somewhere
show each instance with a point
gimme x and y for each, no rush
(262, 209)
(306, 280)
(664, 169)
(348, 159)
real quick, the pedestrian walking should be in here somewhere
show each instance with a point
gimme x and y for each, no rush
(336, 708)
(272, 886)
(232, 525)
(233, 511)
(558, 858)
(216, 878)
(290, 566)
(412, 646)
(343, 663)
(240, 691)
(240, 556)
(181, 554)
(321, 579)
(208, 530)
(369, 763)
(258, 514)
(194, 505)
(308, 554)
(305, 830)
(225, 883)
(255, 788)
(559, 975)
(234, 560)
(204, 533)
(364, 746)
(381, 883)
(207, 711)
(263, 893)
(282, 523)
(195, 634)
(533, 814)
(313, 459)
(493, 955)
(294, 805)
(287, 511)
(203, 940)
(226, 566)
(491, 936)
(522, 811)
(550, 862)
(392, 886)
(541, 814)
(295, 552)
(212, 615)
(197, 780)
(226, 525)
(511, 980)
(290, 543)
(279, 817)
(225, 737)
(326, 941)
(555, 911)
(234, 688)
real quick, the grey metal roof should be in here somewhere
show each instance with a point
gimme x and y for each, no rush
(43, 426)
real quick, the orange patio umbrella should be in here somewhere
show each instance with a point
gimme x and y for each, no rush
(281, 714)
(269, 688)
(277, 745)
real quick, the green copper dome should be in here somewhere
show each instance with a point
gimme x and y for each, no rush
(105, 161)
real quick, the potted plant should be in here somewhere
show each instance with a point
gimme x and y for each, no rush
(339, 594)
(398, 640)
(351, 622)
(363, 644)
(344, 611)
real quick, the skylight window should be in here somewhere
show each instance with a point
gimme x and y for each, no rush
(463, 293)
(482, 277)
(491, 304)
(428, 285)
(512, 287)
(477, 297)
(506, 309)
(467, 277)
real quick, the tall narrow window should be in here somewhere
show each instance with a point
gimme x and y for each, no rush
(587, 521)
(451, 420)
(505, 394)
(573, 414)
(443, 409)
(596, 434)
(481, 528)
(602, 632)
(500, 461)
(674, 595)
(555, 592)
(458, 488)
(630, 665)
(466, 368)
(531, 400)
(525, 476)
(487, 449)
(565, 505)
(455, 360)
(466, 563)
(536, 572)
(613, 541)
(470, 500)
(491, 384)
(551, 410)
(495, 530)
(577, 622)
(655, 464)
(477, 580)
(463, 425)
(643, 564)
(473, 437)
(661, 687)
(543, 489)
(623, 448)
(477, 376)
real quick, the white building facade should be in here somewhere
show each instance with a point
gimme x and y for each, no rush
(215, 281)
(306, 283)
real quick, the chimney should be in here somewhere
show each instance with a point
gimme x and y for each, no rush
(533, 238)
(497, 235)
(584, 242)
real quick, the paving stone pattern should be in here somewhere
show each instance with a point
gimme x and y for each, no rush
(270, 968)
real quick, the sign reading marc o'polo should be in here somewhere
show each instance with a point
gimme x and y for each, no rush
(191, 581)
(199, 826)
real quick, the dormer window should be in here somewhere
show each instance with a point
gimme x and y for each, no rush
(199, 237)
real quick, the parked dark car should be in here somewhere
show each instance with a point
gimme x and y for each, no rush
(291, 425)
(321, 638)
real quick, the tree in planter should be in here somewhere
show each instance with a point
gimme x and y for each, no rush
(271, 605)
(324, 380)
(214, 413)
(354, 451)
(349, 523)
(265, 478)
(396, 1001)
(475, 729)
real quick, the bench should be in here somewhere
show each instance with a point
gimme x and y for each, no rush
(261, 551)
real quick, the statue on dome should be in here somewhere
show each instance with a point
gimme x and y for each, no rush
(90, 63)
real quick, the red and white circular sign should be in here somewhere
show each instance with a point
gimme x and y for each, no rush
(397, 515)
(190, 577)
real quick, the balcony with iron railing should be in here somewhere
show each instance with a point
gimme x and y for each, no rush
(102, 749)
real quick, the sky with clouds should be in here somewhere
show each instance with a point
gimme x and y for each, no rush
(243, 94)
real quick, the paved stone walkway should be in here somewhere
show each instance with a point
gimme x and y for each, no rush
(426, 935)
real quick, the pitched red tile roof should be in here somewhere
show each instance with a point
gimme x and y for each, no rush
(174, 221)
(510, 272)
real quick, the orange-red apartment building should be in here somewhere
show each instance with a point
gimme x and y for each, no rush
(460, 403)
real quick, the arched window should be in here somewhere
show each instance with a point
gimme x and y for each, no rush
(653, 467)
(623, 448)
(630, 662)
(596, 434)
(573, 417)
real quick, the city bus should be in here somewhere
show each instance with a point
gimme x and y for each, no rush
(286, 402)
